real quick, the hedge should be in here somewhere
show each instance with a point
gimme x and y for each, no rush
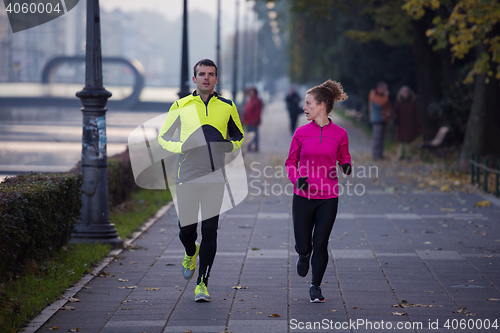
(37, 216)
(39, 211)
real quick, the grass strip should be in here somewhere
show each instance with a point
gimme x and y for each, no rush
(129, 216)
(22, 299)
(28, 295)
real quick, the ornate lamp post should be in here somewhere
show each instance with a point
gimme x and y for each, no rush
(94, 225)
(184, 62)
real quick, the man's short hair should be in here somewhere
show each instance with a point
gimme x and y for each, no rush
(205, 62)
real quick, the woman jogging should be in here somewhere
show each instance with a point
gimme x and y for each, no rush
(312, 167)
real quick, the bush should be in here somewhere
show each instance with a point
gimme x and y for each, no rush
(37, 216)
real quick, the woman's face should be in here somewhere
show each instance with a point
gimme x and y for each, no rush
(312, 108)
(405, 93)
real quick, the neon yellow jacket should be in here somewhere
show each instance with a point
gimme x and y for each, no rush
(206, 132)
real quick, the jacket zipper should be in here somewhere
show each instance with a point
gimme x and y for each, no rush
(321, 137)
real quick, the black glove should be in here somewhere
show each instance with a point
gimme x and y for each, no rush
(346, 168)
(301, 183)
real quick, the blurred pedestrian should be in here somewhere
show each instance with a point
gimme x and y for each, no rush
(209, 127)
(292, 104)
(312, 168)
(252, 117)
(379, 108)
(406, 119)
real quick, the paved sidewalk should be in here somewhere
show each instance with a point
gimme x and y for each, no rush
(432, 252)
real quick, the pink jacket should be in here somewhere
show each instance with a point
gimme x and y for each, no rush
(317, 149)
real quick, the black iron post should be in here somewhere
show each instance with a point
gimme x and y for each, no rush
(184, 63)
(94, 224)
(235, 52)
(219, 85)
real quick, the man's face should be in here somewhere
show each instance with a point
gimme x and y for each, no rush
(205, 79)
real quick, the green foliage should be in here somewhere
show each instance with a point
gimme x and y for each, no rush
(37, 215)
(470, 23)
(22, 299)
(121, 181)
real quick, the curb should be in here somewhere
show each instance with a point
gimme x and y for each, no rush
(51, 309)
(491, 198)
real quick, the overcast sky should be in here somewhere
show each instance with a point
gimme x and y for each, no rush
(172, 9)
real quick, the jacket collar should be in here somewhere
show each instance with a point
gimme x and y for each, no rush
(327, 125)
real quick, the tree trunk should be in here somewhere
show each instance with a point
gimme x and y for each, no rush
(483, 127)
(427, 73)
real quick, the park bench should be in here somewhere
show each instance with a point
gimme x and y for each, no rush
(436, 145)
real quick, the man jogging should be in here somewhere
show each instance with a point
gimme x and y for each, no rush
(209, 127)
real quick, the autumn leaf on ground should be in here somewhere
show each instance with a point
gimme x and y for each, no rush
(53, 328)
(122, 280)
(127, 308)
(465, 312)
(151, 288)
(332, 310)
(493, 299)
(399, 313)
(72, 299)
(255, 249)
(126, 301)
(274, 315)
(104, 274)
(485, 203)
(67, 307)
(239, 287)
(445, 188)
(73, 329)
(130, 287)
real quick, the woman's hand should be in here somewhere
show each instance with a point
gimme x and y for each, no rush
(301, 183)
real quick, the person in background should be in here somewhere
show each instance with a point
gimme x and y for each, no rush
(292, 104)
(252, 117)
(379, 108)
(312, 168)
(406, 119)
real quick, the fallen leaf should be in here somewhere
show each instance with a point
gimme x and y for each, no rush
(122, 280)
(445, 188)
(67, 307)
(170, 265)
(255, 249)
(73, 329)
(72, 299)
(447, 209)
(399, 313)
(429, 292)
(151, 288)
(127, 308)
(274, 315)
(104, 274)
(428, 242)
(493, 299)
(332, 310)
(131, 287)
(485, 203)
(258, 312)
(356, 308)
(239, 287)
(53, 328)
(126, 301)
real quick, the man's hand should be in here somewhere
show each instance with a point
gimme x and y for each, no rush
(301, 183)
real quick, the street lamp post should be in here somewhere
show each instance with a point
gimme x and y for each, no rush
(235, 52)
(184, 62)
(219, 84)
(94, 224)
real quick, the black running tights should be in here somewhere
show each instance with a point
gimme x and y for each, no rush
(312, 224)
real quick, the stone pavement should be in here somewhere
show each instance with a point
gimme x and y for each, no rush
(431, 253)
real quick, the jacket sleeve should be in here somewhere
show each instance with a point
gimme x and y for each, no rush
(343, 155)
(234, 128)
(292, 162)
(172, 123)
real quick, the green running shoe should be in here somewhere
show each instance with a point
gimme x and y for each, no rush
(201, 293)
(189, 264)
